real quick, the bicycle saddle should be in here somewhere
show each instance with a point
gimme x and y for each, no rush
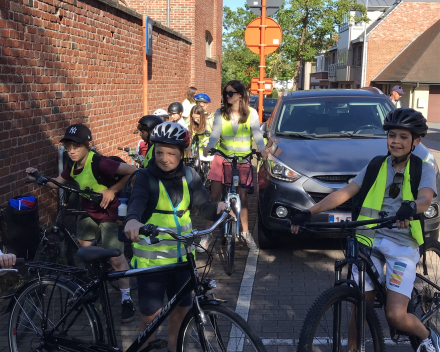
(94, 253)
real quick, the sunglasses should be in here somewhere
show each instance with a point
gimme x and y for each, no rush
(395, 187)
(230, 94)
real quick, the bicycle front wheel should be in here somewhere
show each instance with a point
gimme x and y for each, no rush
(224, 330)
(326, 327)
(38, 310)
(426, 297)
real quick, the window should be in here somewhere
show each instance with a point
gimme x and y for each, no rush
(208, 40)
(342, 57)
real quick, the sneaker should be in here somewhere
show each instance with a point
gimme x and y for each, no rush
(127, 311)
(247, 236)
(432, 344)
(204, 242)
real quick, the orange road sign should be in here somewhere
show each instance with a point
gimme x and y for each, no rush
(268, 85)
(273, 36)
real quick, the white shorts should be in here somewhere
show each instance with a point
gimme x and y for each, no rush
(401, 264)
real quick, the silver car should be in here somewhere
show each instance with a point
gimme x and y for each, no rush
(320, 140)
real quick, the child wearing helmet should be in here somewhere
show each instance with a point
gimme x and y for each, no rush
(203, 100)
(175, 111)
(400, 184)
(161, 113)
(177, 192)
(189, 102)
(145, 126)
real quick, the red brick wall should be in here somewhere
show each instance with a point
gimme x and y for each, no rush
(395, 32)
(192, 18)
(65, 62)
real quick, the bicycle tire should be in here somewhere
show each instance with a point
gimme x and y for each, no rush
(230, 249)
(54, 296)
(312, 327)
(236, 332)
(423, 300)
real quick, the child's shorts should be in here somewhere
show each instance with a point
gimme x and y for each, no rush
(89, 229)
(401, 262)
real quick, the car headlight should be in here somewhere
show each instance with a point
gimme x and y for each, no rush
(430, 159)
(431, 212)
(280, 171)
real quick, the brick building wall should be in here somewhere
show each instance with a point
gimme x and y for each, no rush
(193, 18)
(395, 32)
(65, 62)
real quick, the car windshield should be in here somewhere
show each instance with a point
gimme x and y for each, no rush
(333, 117)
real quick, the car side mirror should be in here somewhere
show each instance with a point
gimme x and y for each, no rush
(263, 129)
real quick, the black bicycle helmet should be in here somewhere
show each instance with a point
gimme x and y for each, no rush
(175, 108)
(408, 119)
(148, 122)
(170, 133)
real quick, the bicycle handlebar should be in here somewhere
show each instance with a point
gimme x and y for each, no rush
(253, 152)
(42, 180)
(152, 231)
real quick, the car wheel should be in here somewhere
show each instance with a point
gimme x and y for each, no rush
(265, 241)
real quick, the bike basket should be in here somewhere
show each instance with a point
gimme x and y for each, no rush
(244, 173)
(20, 229)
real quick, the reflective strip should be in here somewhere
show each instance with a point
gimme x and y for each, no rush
(157, 253)
(365, 231)
(236, 139)
(237, 149)
(368, 212)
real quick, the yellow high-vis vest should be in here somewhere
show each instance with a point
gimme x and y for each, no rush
(239, 144)
(168, 251)
(372, 205)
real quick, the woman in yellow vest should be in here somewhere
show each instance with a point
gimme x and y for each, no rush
(235, 124)
(391, 192)
(175, 195)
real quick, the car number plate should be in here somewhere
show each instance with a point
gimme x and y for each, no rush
(339, 217)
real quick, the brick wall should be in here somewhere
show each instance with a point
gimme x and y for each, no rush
(192, 18)
(65, 62)
(395, 32)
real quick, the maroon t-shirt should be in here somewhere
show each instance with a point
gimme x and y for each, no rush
(108, 167)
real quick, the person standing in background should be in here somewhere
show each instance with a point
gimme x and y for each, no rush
(188, 103)
(396, 94)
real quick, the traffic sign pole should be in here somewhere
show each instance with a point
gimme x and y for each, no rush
(261, 86)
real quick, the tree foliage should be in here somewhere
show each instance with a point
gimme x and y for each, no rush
(309, 28)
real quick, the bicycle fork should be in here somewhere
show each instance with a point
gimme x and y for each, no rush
(233, 198)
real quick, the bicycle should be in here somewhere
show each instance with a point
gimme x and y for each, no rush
(231, 197)
(134, 155)
(49, 248)
(65, 317)
(201, 165)
(325, 327)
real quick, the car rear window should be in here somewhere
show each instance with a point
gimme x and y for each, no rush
(333, 115)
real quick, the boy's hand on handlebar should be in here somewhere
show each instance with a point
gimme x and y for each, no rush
(221, 206)
(405, 214)
(131, 229)
(107, 197)
(7, 261)
(31, 170)
(299, 220)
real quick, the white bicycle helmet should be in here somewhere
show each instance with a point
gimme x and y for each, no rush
(170, 133)
(160, 112)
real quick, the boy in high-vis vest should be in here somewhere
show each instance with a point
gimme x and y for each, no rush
(102, 175)
(391, 190)
(176, 188)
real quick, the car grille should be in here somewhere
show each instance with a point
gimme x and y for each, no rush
(317, 197)
(334, 178)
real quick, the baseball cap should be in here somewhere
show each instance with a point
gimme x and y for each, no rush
(78, 133)
(398, 89)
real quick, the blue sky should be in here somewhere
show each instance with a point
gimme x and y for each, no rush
(233, 4)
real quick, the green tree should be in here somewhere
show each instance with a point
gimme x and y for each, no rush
(309, 27)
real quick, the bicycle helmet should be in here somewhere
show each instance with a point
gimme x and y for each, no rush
(408, 119)
(175, 108)
(148, 122)
(202, 97)
(170, 133)
(160, 112)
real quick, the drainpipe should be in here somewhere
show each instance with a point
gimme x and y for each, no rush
(144, 67)
(168, 12)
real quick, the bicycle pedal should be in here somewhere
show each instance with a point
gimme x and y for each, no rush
(155, 344)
